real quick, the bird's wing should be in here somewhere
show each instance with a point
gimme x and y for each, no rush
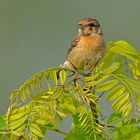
(73, 44)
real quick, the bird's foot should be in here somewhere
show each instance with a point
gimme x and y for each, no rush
(89, 74)
(75, 80)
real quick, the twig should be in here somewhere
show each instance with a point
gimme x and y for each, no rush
(108, 125)
(101, 94)
(59, 131)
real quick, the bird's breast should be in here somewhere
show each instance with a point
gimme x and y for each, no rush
(94, 42)
(88, 51)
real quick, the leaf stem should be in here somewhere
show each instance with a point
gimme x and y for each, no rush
(59, 131)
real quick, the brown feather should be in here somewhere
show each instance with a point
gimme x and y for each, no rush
(73, 44)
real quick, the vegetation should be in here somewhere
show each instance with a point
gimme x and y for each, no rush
(43, 101)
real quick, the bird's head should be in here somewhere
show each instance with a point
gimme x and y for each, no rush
(89, 26)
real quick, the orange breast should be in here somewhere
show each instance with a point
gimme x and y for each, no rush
(87, 53)
(91, 42)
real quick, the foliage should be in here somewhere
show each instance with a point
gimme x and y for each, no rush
(43, 101)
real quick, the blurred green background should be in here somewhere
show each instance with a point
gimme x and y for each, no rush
(36, 34)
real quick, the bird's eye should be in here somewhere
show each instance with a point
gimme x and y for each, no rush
(92, 24)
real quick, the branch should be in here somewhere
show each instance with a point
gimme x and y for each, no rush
(59, 131)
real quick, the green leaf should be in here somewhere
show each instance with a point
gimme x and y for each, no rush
(126, 47)
(20, 129)
(128, 132)
(34, 80)
(126, 109)
(138, 101)
(114, 117)
(23, 96)
(123, 100)
(115, 93)
(76, 134)
(36, 129)
(2, 122)
(115, 66)
(62, 114)
(41, 122)
(107, 59)
(27, 87)
(68, 107)
(121, 51)
(62, 76)
(106, 85)
(39, 78)
(132, 84)
(92, 77)
(33, 136)
(51, 126)
(98, 81)
(54, 77)
(135, 69)
(17, 115)
(15, 124)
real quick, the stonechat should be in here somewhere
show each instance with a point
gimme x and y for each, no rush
(87, 48)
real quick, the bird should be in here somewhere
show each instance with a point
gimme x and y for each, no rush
(87, 48)
(86, 51)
